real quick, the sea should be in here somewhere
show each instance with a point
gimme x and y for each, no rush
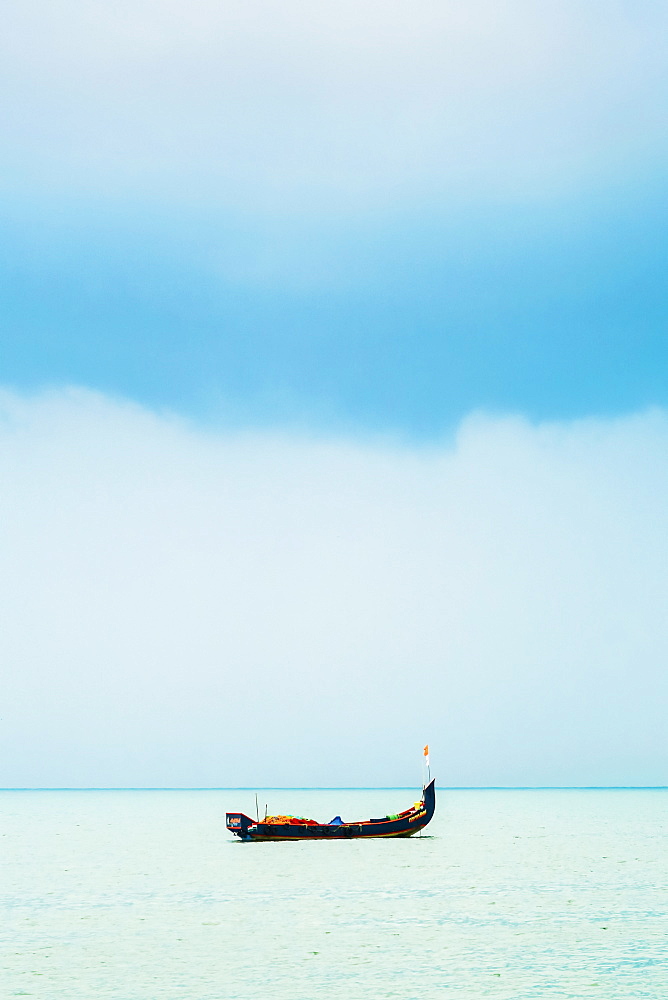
(508, 894)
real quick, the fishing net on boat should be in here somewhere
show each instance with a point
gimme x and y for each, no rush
(289, 821)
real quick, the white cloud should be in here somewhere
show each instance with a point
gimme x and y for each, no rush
(188, 607)
(262, 103)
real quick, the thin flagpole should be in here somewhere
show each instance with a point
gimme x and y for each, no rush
(426, 760)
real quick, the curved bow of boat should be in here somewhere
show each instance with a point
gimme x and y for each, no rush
(429, 799)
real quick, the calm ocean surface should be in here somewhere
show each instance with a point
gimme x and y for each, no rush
(513, 894)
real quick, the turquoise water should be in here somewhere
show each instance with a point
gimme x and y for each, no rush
(512, 894)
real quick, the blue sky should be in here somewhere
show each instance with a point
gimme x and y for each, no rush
(333, 391)
(406, 322)
(374, 217)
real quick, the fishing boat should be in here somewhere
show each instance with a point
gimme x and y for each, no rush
(403, 824)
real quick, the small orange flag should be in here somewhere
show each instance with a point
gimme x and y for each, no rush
(426, 755)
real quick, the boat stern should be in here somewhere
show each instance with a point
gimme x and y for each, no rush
(238, 823)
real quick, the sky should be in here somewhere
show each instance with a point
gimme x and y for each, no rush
(333, 392)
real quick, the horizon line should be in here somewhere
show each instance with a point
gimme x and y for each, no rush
(323, 788)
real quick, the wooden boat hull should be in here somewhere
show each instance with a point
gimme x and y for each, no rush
(406, 824)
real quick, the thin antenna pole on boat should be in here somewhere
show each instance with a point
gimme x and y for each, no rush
(425, 763)
(257, 809)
